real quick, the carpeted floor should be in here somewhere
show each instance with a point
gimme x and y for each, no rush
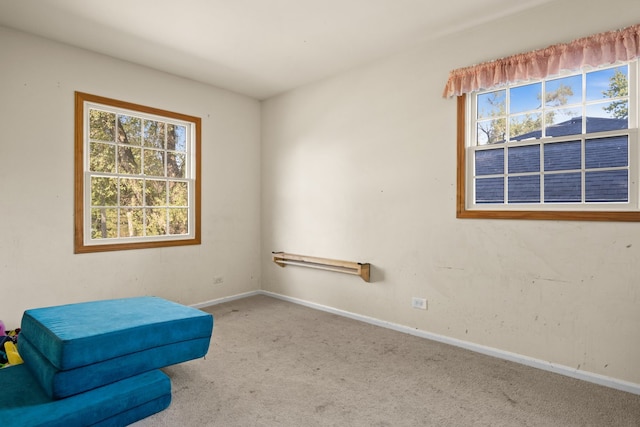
(275, 363)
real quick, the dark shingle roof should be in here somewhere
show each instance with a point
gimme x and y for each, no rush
(574, 127)
(601, 186)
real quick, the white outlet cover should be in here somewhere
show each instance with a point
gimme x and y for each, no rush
(420, 303)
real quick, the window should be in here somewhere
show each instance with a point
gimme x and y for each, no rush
(563, 147)
(137, 176)
(551, 133)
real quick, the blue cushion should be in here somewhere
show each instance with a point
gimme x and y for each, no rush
(24, 403)
(74, 335)
(59, 384)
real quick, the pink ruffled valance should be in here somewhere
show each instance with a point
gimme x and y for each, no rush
(598, 49)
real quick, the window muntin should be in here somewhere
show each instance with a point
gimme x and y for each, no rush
(137, 176)
(574, 151)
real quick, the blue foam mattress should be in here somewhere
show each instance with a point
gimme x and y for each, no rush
(74, 335)
(59, 384)
(24, 403)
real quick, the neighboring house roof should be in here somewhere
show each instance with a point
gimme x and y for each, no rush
(602, 186)
(574, 127)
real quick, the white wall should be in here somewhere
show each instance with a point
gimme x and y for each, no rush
(37, 264)
(362, 167)
(358, 167)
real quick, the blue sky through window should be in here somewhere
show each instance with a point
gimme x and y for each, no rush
(525, 101)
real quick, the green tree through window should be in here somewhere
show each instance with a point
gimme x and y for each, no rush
(138, 183)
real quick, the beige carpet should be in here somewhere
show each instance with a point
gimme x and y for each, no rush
(274, 363)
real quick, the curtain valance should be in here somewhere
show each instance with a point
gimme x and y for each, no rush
(599, 49)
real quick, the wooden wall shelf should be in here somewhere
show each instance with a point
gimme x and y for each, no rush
(348, 267)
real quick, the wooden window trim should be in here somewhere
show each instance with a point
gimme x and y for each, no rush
(461, 206)
(79, 246)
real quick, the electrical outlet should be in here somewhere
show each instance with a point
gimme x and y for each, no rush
(218, 280)
(420, 303)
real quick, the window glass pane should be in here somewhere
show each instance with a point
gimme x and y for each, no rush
(104, 223)
(102, 125)
(563, 91)
(489, 162)
(524, 159)
(525, 126)
(156, 222)
(608, 83)
(104, 191)
(606, 152)
(563, 187)
(154, 162)
(489, 190)
(131, 222)
(178, 221)
(102, 157)
(176, 138)
(563, 121)
(492, 104)
(178, 193)
(525, 98)
(607, 116)
(560, 156)
(153, 134)
(491, 131)
(129, 130)
(524, 189)
(130, 192)
(155, 193)
(607, 186)
(176, 165)
(129, 160)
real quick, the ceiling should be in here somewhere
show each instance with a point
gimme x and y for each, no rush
(259, 48)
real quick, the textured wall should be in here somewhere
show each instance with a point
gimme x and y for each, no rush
(37, 264)
(362, 167)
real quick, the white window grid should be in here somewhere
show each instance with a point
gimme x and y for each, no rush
(633, 204)
(190, 174)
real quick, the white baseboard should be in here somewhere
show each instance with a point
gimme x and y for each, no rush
(225, 299)
(489, 351)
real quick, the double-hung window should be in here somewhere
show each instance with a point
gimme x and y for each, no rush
(567, 143)
(137, 176)
(564, 146)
